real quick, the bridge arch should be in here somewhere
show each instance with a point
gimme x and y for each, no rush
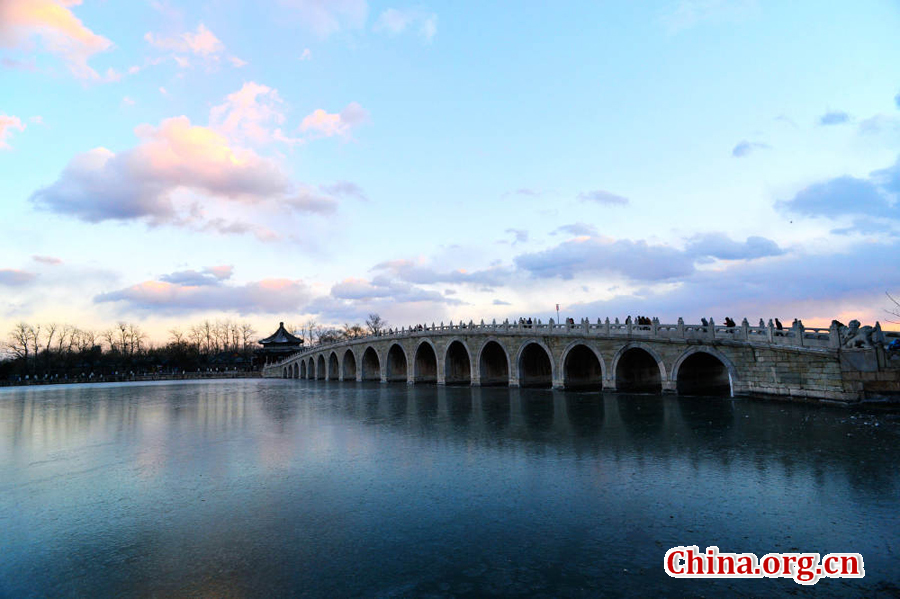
(493, 363)
(303, 371)
(371, 364)
(582, 367)
(534, 363)
(425, 363)
(311, 368)
(704, 371)
(638, 368)
(334, 367)
(284, 372)
(296, 370)
(396, 367)
(457, 363)
(348, 366)
(320, 368)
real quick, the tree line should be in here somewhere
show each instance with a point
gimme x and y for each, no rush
(313, 333)
(67, 351)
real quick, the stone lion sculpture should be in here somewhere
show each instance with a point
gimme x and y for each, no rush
(865, 337)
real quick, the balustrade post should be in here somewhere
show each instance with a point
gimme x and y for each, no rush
(834, 336)
(798, 332)
(770, 332)
(606, 327)
(654, 326)
(712, 329)
(745, 327)
(680, 327)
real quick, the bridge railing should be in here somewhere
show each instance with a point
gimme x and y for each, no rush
(795, 336)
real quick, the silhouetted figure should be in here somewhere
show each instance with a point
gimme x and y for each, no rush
(704, 322)
(778, 325)
(729, 322)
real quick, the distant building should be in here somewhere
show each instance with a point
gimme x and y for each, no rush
(278, 345)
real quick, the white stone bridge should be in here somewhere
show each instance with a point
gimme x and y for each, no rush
(796, 362)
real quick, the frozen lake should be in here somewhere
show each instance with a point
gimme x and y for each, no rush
(267, 487)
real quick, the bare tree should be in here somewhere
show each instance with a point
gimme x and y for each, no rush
(19, 339)
(65, 341)
(86, 339)
(176, 335)
(35, 334)
(895, 311)
(246, 332)
(328, 335)
(376, 324)
(109, 335)
(136, 338)
(352, 331)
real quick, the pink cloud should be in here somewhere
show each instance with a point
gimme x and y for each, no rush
(201, 43)
(53, 261)
(253, 113)
(323, 124)
(267, 296)
(9, 123)
(59, 30)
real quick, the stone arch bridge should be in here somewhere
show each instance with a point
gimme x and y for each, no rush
(799, 362)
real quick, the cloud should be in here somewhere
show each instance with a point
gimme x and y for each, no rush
(306, 200)
(213, 275)
(148, 182)
(12, 277)
(253, 114)
(871, 227)
(845, 283)
(602, 197)
(386, 288)
(345, 189)
(525, 191)
(880, 123)
(60, 31)
(577, 229)
(897, 99)
(840, 196)
(306, 54)
(635, 260)
(268, 296)
(201, 43)
(834, 117)
(47, 260)
(101, 185)
(498, 302)
(9, 123)
(395, 22)
(326, 17)
(323, 124)
(519, 235)
(743, 148)
(413, 272)
(719, 245)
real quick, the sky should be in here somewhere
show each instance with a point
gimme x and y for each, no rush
(163, 162)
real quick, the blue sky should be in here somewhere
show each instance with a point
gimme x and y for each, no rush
(166, 162)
